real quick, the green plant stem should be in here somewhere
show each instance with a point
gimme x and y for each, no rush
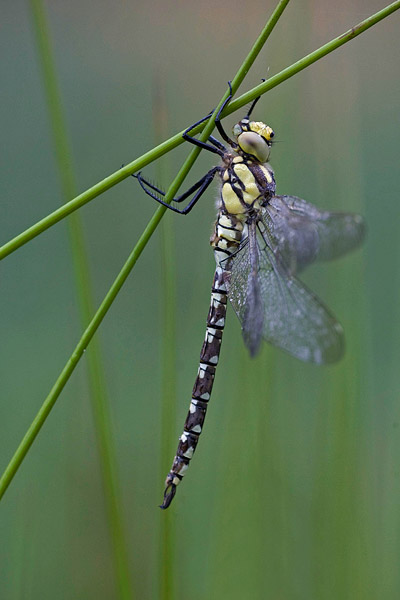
(96, 380)
(65, 374)
(167, 571)
(77, 354)
(177, 139)
(311, 58)
(167, 556)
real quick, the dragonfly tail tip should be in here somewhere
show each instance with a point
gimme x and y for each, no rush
(169, 494)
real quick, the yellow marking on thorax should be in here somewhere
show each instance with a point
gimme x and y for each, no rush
(267, 172)
(251, 191)
(231, 201)
(238, 159)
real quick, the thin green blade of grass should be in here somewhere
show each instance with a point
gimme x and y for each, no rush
(246, 461)
(176, 140)
(68, 369)
(96, 380)
(80, 348)
(168, 403)
(168, 397)
(342, 549)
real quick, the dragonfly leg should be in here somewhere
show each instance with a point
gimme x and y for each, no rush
(216, 143)
(199, 187)
(253, 104)
(219, 149)
(218, 123)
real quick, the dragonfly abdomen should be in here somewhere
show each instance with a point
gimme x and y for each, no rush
(226, 240)
(202, 387)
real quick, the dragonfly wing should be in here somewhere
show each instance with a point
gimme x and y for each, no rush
(292, 316)
(303, 234)
(253, 315)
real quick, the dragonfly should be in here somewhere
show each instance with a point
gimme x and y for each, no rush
(261, 241)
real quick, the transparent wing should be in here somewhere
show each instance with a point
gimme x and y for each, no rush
(303, 234)
(253, 314)
(292, 317)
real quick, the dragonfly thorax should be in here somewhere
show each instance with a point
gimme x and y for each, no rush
(246, 184)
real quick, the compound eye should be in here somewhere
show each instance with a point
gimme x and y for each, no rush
(252, 143)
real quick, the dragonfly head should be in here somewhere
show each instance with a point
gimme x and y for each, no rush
(255, 138)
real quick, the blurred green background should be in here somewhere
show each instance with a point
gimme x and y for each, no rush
(294, 492)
